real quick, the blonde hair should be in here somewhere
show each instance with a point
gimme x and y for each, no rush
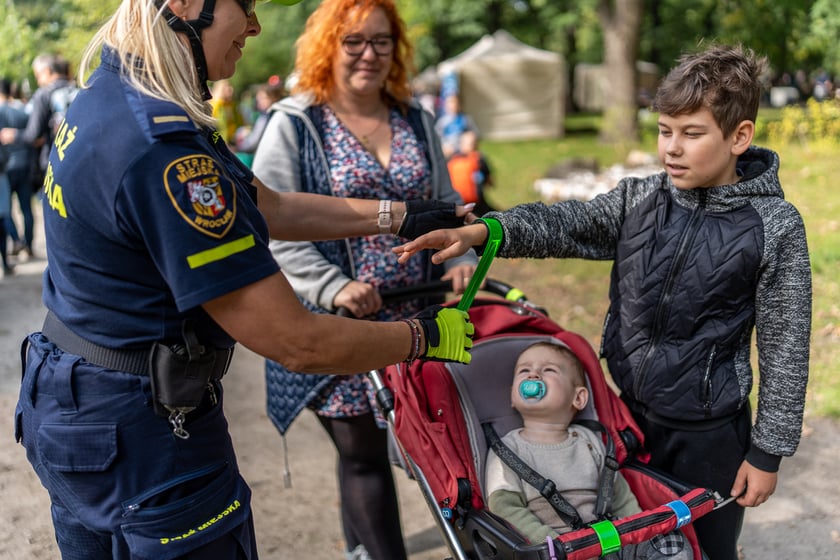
(578, 372)
(154, 59)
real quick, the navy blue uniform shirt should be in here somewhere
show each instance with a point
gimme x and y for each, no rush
(146, 218)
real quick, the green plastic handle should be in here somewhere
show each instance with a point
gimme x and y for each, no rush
(608, 536)
(494, 240)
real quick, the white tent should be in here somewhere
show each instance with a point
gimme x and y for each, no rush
(592, 80)
(511, 90)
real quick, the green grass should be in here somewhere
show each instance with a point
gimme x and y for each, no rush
(575, 291)
(806, 177)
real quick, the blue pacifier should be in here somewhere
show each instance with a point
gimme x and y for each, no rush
(532, 389)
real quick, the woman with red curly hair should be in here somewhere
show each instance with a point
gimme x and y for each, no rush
(352, 129)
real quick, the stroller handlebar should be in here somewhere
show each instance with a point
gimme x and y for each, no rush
(442, 287)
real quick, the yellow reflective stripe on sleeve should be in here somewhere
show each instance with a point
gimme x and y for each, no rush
(169, 119)
(221, 252)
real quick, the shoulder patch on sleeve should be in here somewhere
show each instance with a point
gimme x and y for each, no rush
(201, 194)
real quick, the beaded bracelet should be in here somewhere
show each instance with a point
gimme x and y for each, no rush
(415, 341)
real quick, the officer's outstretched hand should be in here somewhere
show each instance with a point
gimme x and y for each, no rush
(448, 334)
(423, 216)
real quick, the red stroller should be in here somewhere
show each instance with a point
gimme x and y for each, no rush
(437, 411)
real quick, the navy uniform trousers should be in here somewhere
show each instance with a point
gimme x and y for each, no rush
(122, 485)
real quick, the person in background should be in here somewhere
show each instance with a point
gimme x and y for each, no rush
(19, 159)
(427, 95)
(248, 137)
(5, 208)
(452, 123)
(52, 73)
(706, 255)
(158, 264)
(470, 172)
(352, 129)
(226, 110)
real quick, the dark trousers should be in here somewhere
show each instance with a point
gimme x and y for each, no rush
(21, 185)
(122, 485)
(708, 459)
(370, 513)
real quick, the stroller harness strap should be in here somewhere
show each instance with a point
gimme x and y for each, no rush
(606, 483)
(547, 488)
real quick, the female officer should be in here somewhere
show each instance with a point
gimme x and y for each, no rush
(157, 264)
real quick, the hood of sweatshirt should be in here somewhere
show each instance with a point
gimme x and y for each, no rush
(758, 169)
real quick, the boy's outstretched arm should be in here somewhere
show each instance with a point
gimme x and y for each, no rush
(759, 485)
(450, 243)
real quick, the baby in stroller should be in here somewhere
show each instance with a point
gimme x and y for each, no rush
(549, 390)
(444, 417)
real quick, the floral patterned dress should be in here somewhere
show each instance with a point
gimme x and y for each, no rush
(355, 172)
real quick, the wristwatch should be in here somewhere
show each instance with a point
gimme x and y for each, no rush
(385, 220)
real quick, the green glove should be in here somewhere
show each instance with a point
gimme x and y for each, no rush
(448, 334)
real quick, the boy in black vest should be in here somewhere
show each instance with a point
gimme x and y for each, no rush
(705, 254)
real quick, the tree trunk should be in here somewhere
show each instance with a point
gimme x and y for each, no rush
(620, 22)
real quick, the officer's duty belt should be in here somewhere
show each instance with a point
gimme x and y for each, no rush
(129, 361)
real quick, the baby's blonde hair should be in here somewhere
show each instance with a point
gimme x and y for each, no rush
(578, 374)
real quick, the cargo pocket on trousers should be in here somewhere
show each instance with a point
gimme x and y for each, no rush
(220, 504)
(77, 447)
(77, 454)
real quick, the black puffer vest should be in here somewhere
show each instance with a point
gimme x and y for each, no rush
(682, 304)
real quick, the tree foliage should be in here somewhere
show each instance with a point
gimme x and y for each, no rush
(56, 26)
(13, 53)
(272, 51)
(793, 34)
(820, 45)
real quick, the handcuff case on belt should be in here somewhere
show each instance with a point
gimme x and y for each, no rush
(181, 373)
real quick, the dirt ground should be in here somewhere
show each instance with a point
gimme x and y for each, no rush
(802, 520)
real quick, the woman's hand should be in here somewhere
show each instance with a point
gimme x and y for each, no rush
(460, 276)
(360, 298)
(449, 243)
(423, 215)
(466, 212)
(447, 333)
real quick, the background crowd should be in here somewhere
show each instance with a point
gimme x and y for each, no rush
(28, 129)
(28, 124)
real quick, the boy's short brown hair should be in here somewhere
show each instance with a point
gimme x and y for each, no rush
(724, 79)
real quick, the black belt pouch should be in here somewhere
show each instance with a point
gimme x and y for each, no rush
(179, 379)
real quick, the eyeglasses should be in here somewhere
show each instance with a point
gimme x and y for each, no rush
(355, 45)
(248, 6)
